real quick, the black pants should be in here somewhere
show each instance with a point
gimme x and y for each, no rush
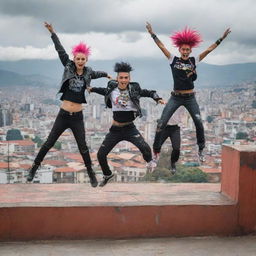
(66, 120)
(172, 132)
(190, 103)
(117, 134)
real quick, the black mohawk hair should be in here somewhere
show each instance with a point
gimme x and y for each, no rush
(123, 67)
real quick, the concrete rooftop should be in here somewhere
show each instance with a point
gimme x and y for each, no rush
(113, 194)
(189, 246)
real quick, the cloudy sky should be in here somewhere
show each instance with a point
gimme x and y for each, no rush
(116, 28)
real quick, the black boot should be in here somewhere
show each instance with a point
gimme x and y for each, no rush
(106, 179)
(201, 157)
(173, 168)
(93, 179)
(32, 172)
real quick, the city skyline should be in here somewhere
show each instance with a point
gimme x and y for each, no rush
(225, 113)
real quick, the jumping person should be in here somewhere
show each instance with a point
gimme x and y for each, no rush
(123, 97)
(184, 74)
(75, 79)
(172, 131)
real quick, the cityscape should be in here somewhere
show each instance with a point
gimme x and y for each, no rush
(229, 117)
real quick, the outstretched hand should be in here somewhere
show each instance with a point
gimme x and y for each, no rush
(226, 33)
(161, 101)
(89, 89)
(49, 27)
(149, 28)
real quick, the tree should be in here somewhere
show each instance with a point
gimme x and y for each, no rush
(189, 175)
(241, 136)
(183, 174)
(38, 141)
(14, 134)
(57, 145)
(209, 119)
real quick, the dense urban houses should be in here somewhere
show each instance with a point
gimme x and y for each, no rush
(229, 117)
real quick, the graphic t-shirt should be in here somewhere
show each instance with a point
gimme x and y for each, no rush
(123, 108)
(121, 101)
(183, 72)
(75, 90)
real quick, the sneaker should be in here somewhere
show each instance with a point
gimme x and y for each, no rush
(156, 157)
(93, 179)
(106, 179)
(151, 165)
(32, 172)
(173, 168)
(201, 156)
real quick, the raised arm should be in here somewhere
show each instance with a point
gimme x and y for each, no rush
(213, 46)
(149, 93)
(98, 90)
(58, 46)
(98, 74)
(157, 41)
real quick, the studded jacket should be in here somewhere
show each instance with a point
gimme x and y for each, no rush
(70, 68)
(135, 92)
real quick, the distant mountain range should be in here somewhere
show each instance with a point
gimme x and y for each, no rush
(150, 73)
(9, 78)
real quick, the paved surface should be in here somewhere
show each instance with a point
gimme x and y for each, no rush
(114, 194)
(191, 246)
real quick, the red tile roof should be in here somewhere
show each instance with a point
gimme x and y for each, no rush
(74, 156)
(130, 163)
(115, 164)
(20, 142)
(3, 165)
(65, 169)
(55, 162)
(25, 166)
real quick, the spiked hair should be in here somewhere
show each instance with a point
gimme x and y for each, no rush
(122, 67)
(81, 48)
(186, 36)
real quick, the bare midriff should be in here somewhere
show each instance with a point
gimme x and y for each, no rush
(115, 123)
(184, 91)
(71, 106)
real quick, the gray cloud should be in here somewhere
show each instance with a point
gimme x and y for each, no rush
(21, 20)
(79, 16)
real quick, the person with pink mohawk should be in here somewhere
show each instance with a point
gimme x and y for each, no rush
(76, 78)
(184, 74)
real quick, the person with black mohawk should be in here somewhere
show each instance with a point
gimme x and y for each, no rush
(123, 96)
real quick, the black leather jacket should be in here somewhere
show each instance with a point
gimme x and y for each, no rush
(70, 68)
(135, 92)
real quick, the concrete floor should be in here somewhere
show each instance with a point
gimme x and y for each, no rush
(189, 246)
(121, 194)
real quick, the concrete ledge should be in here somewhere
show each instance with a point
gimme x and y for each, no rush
(77, 211)
(239, 183)
(114, 194)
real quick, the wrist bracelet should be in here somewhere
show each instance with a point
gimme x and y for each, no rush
(154, 36)
(218, 41)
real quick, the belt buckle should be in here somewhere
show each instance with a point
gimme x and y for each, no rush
(71, 113)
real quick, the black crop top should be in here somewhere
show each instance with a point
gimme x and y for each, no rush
(74, 90)
(180, 72)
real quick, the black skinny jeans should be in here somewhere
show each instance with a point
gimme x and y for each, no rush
(190, 103)
(117, 134)
(172, 132)
(64, 121)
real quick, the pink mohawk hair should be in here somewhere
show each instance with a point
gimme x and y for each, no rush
(81, 48)
(186, 36)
